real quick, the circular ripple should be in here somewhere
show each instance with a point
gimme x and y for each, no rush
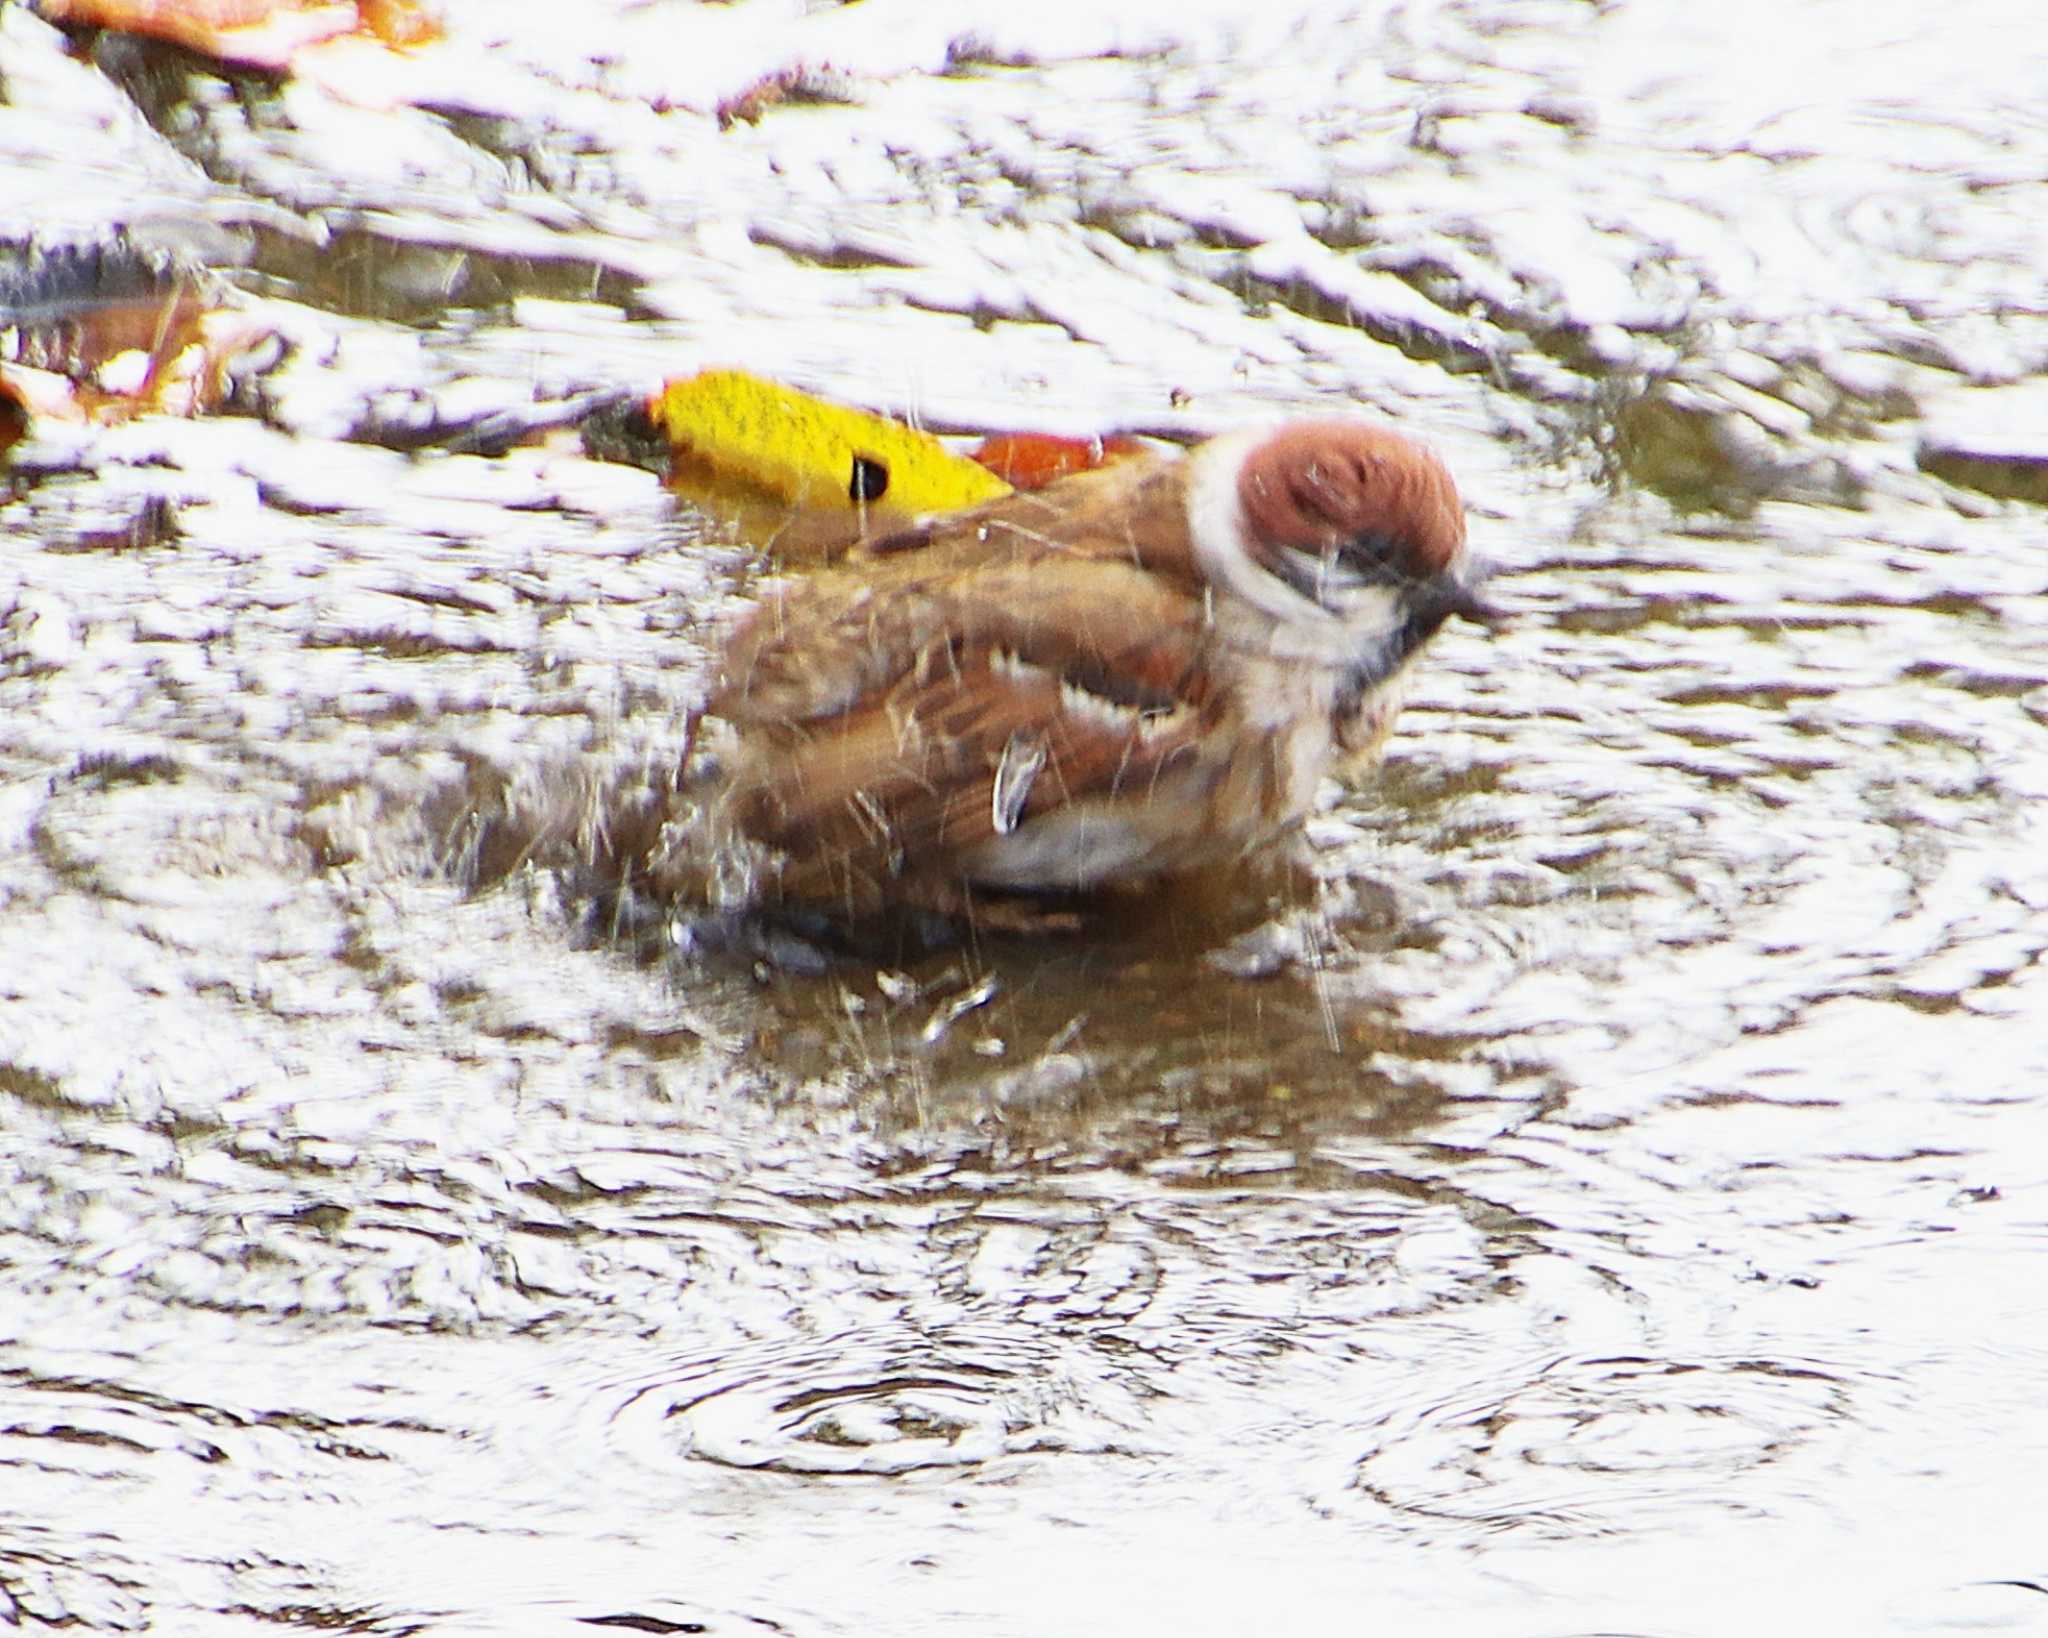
(1599, 1444)
(880, 1401)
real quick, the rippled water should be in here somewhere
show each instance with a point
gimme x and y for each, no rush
(1599, 1190)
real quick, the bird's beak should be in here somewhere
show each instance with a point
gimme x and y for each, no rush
(1468, 603)
(1465, 595)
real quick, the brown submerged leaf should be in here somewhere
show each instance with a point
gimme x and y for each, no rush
(268, 34)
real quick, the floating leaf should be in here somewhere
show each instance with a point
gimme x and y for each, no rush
(803, 83)
(811, 453)
(1031, 460)
(270, 34)
(104, 330)
(259, 33)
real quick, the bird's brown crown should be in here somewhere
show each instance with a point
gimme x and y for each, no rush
(1362, 491)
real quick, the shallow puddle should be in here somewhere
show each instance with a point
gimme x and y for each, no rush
(1593, 1185)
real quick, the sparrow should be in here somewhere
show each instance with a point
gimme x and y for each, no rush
(1134, 672)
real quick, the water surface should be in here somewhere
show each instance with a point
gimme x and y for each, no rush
(1598, 1190)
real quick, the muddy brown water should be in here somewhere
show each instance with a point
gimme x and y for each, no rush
(1602, 1191)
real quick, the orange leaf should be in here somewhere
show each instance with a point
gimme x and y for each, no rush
(1031, 460)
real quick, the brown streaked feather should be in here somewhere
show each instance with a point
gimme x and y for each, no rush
(905, 782)
(820, 646)
(1133, 510)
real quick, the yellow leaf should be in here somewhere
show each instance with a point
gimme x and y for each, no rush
(812, 453)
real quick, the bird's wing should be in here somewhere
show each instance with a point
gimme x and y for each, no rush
(887, 729)
(1132, 510)
(1018, 573)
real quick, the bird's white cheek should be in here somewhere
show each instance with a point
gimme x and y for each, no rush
(1216, 525)
(1361, 617)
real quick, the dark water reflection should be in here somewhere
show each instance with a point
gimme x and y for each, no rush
(1599, 1190)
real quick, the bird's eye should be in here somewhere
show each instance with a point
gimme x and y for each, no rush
(1374, 549)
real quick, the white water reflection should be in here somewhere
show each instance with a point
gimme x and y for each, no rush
(1657, 1251)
